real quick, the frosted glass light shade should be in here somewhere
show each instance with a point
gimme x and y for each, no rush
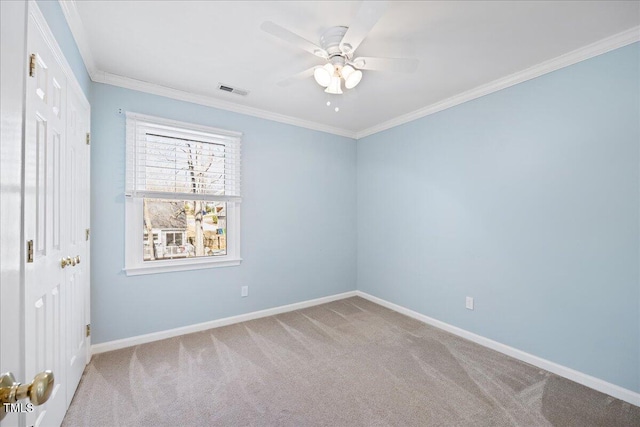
(346, 71)
(323, 75)
(334, 86)
(351, 76)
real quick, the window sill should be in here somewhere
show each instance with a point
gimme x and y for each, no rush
(155, 267)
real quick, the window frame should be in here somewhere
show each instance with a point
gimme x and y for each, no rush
(134, 223)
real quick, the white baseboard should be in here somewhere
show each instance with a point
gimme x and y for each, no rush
(156, 336)
(579, 377)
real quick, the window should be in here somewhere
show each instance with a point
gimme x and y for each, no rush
(174, 239)
(182, 196)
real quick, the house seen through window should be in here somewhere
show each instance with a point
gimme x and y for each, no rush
(183, 186)
(179, 231)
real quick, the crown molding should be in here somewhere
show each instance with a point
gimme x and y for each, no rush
(605, 45)
(76, 26)
(209, 101)
(70, 12)
(616, 41)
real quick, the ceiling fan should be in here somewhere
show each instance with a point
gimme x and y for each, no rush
(337, 47)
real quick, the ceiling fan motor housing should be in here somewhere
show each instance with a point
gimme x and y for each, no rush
(330, 41)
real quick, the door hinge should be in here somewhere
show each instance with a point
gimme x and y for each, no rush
(32, 65)
(88, 138)
(89, 330)
(29, 250)
(86, 234)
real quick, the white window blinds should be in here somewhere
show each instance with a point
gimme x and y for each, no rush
(174, 160)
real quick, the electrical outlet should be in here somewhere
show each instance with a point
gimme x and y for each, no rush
(469, 303)
(244, 291)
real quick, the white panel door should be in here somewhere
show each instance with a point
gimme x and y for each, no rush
(45, 224)
(77, 211)
(56, 198)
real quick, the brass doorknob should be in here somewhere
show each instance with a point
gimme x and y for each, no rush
(63, 262)
(38, 391)
(77, 259)
(71, 261)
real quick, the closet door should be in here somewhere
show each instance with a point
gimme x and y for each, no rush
(77, 212)
(56, 217)
(45, 224)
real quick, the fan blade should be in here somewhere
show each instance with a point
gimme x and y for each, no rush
(400, 65)
(292, 38)
(368, 14)
(297, 77)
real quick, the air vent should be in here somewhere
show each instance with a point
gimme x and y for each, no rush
(235, 90)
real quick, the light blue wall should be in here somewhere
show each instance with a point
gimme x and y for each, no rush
(526, 199)
(298, 215)
(298, 222)
(58, 24)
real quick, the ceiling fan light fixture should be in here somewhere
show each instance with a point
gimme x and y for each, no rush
(323, 75)
(338, 46)
(334, 87)
(346, 71)
(351, 76)
(353, 79)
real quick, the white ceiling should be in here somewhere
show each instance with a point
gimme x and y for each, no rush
(194, 45)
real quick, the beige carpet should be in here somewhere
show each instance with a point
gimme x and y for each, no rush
(345, 363)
